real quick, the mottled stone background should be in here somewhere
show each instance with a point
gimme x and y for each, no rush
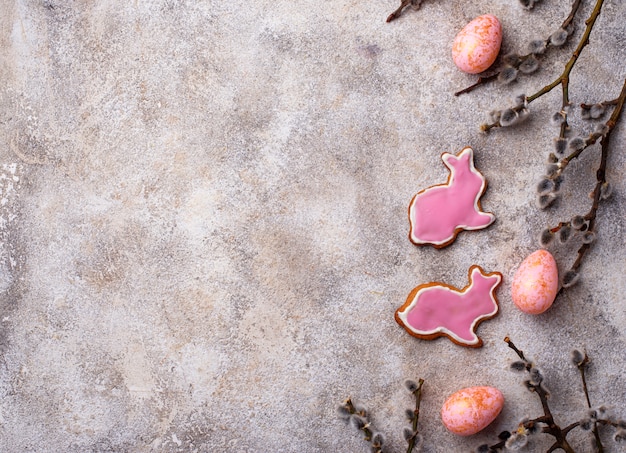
(204, 234)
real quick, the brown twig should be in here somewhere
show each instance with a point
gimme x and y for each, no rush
(562, 79)
(611, 102)
(600, 175)
(481, 81)
(418, 398)
(487, 79)
(398, 12)
(547, 419)
(582, 366)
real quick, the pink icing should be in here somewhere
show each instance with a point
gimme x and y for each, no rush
(437, 213)
(441, 309)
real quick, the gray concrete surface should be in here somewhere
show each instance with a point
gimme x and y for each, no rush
(204, 234)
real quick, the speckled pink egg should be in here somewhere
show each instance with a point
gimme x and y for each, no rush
(471, 409)
(536, 283)
(476, 46)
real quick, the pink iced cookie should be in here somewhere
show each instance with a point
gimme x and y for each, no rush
(435, 309)
(437, 214)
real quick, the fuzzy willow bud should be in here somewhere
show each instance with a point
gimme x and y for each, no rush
(570, 278)
(378, 439)
(507, 75)
(578, 222)
(529, 65)
(508, 117)
(560, 144)
(511, 59)
(557, 118)
(576, 143)
(565, 233)
(537, 46)
(605, 191)
(559, 37)
(577, 357)
(544, 201)
(410, 385)
(596, 111)
(546, 237)
(546, 185)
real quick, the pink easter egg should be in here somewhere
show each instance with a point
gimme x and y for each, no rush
(469, 410)
(477, 45)
(535, 283)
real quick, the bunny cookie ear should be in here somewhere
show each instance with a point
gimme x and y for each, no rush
(451, 160)
(491, 280)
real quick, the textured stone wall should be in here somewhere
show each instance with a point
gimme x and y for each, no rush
(203, 228)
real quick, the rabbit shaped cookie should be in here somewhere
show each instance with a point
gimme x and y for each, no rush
(437, 214)
(436, 309)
